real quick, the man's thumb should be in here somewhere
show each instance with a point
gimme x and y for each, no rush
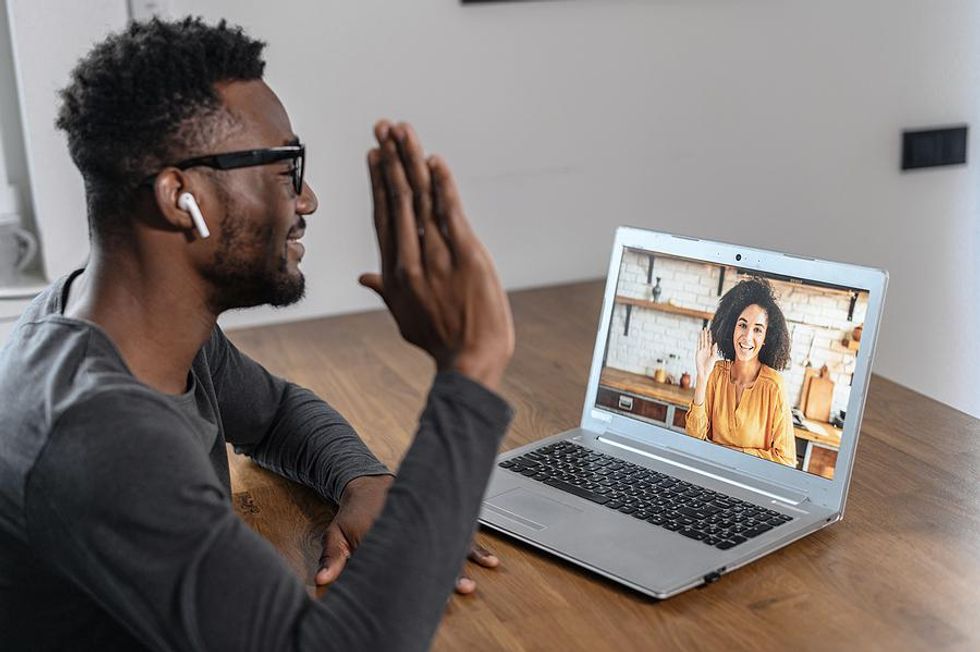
(336, 552)
(372, 281)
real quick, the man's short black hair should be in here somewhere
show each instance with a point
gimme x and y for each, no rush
(754, 291)
(144, 98)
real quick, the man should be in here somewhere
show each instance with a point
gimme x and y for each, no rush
(118, 391)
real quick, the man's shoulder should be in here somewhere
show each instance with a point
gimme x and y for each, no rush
(59, 360)
(52, 367)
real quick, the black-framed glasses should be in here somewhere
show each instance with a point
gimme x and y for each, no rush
(250, 158)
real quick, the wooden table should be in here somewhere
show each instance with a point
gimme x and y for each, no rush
(901, 571)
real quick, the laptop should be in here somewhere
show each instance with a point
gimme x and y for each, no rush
(661, 493)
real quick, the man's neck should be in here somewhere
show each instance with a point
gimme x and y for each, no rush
(156, 316)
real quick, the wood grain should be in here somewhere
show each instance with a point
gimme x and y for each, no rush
(900, 572)
(663, 306)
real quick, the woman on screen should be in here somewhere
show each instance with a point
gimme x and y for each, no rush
(740, 402)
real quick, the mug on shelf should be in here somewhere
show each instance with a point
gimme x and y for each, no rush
(18, 246)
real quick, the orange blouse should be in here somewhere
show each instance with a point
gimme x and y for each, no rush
(760, 424)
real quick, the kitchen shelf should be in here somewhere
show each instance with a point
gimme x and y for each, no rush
(664, 307)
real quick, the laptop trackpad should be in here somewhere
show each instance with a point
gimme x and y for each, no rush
(530, 509)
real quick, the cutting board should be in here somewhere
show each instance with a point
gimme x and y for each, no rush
(809, 373)
(819, 396)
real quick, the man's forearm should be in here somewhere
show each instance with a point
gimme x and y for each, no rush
(394, 588)
(313, 444)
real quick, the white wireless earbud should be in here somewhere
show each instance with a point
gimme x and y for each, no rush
(187, 202)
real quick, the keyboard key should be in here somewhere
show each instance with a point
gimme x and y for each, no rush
(691, 534)
(692, 513)
(725, 545)
(756, 531)
(577, 491)
(737, 539)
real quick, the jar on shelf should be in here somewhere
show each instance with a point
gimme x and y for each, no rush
(660, 372)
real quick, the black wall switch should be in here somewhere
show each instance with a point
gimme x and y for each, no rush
(926, 148)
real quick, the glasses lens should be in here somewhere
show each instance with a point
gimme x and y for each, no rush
(298, 173)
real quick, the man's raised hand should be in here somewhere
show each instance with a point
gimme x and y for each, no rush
(436, 277)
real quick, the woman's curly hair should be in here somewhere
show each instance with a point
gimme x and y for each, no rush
(754, 291)
(144, 97)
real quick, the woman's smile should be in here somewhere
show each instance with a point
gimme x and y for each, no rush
(750, 332)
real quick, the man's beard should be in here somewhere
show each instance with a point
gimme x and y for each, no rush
(250, 269)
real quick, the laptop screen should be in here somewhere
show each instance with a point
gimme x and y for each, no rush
(759, 363)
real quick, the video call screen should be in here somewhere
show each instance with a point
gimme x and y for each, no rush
(756, 362)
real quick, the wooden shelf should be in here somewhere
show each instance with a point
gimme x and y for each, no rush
(664, 307)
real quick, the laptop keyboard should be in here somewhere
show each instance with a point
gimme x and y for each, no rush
(698, 513)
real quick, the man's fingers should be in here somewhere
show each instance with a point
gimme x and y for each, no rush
(416, 171)
(449, 207)
(464, 585)
(381, 129)
(482, 556)
(382, 220)
(435, 254)
(336, 552)
(401, 210)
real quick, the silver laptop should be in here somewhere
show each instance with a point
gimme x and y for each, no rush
(660, 493)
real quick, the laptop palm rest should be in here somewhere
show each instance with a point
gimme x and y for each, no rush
(530, 509)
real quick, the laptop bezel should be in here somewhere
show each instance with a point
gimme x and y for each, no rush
(828, 493)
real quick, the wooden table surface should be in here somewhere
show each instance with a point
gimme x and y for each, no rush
(901, 571)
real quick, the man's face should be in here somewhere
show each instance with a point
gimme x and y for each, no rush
(257, 251)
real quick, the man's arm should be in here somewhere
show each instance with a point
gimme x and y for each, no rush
(283, 427)
(125, 504)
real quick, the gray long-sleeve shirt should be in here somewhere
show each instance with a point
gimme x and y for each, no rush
(116, 529)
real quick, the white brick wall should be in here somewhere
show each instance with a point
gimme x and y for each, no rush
(816, 318)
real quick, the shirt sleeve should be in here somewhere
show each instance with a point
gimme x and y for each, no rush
(698, 423)
(283, 427)
(125, 504)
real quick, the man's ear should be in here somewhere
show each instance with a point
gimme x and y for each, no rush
(169, 185)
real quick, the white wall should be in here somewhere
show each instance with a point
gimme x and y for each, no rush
(770, 123)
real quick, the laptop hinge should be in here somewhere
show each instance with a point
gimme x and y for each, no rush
(602, 421)
(712, 470)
